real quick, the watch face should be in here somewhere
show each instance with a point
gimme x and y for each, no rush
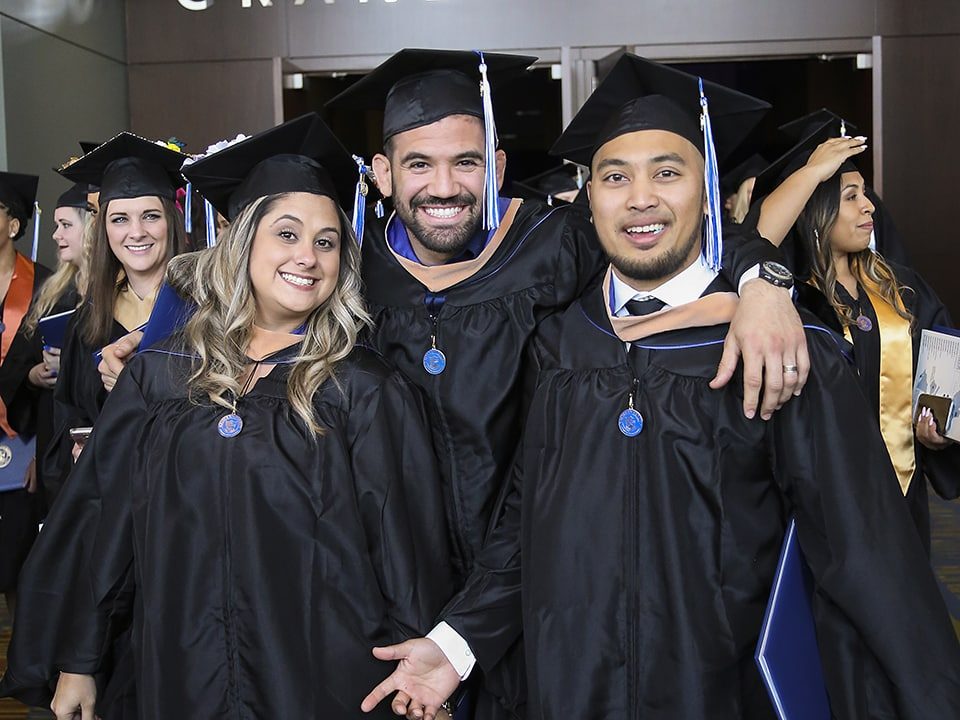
(778, 271)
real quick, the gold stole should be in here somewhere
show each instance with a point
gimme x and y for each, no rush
(713, 309)
(440, 277)
(896, 385)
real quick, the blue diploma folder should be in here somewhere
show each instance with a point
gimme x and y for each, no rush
(53, 328)
(787, 652)
(15, 456)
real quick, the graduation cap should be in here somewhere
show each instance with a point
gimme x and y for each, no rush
(797, 130)
(545, 186)
(75, 197)
(129, 166)
(731, 181)
(420, 87)
(639, 94)
(17, 194)
(301, 155)
(796, 157)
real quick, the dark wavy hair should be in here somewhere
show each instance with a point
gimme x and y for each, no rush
(869, 268)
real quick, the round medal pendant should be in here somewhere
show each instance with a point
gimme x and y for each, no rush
(864, 323)
(230, 425)
(434, 361)
(630, 422)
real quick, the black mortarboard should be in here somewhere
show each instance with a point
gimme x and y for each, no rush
(731, 180)
(639, 94)
(797, 130)
(75, 197)
(18, 193)
(129, 166)
(568, 177)
(301, 155)
(419, 87)
(795, 158)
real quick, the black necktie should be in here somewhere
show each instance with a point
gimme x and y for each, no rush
(645, 307)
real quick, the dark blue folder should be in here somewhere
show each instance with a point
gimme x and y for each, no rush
(15, 456)
(53, 328)
(170, 313)
(787, 652)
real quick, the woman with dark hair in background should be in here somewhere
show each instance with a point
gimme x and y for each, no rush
(137, 230)
(20, 279)
(881, 307)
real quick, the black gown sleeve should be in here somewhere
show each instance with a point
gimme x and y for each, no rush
(743, 248)
(870, 569)
(70, 409)
(81, 561)
(401, 505)
(580, 257)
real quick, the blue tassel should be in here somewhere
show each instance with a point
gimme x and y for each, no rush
(36, 231)
(491, 204)
(211, 217)
(378, 209)
(188, 209)
(360, 199)
(712, 251)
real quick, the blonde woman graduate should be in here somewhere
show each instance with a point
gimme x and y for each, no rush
(267, 484)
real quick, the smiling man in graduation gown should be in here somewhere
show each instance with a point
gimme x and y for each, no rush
(648, 512)
(458, 278)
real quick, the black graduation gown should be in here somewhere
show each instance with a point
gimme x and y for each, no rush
(266, 566)
(647, 561)
(483, 325)
(20, 511)
(941, 467)
(78, 398)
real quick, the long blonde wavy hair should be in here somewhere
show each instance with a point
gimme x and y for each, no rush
(66, 274)
(219, 332)
(869, 268)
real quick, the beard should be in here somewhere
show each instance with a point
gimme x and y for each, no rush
(662, 266)
(448, 241)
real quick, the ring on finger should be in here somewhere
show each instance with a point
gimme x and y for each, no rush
(791, 369)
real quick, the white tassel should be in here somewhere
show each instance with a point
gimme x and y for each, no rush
(712, 251)
(491, 204)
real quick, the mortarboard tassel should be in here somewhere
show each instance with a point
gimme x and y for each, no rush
(211, 217)
(712, 250)
(36, 231)
(378, 209)
(491, 205)
(188, 209)
(360, 199)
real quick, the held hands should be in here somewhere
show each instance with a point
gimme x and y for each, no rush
(423, 680)
(766, 331)
(927, 434)
(75, 697)
(116, 356)
(830, 155)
